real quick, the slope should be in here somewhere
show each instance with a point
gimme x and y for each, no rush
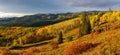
(107, 43)
(37, 20)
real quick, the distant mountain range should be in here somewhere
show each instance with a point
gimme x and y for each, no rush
(38, 19)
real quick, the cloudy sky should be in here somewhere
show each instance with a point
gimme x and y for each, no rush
(26, 7)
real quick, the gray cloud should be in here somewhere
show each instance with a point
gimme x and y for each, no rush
(94, 3)
(55, 6)
(31, 6)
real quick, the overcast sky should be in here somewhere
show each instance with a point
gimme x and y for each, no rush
(23, 7)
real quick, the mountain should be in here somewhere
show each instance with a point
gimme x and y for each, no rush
(37, 19)
(92, 33)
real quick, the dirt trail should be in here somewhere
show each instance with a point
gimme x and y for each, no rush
(32, 45)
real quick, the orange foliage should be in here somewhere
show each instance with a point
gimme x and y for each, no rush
(33, 50)
(94, 33)
(6, 52)
(30, 51)
(24, 53)
(78, 48)
(55, 45)
(115, 25)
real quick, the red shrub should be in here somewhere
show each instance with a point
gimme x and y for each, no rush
(54, 45)
(30, 51)
(77, 48)
(15, 53)
(23, 52)
(43, 48)
(96, 33)
(114, 26)
(33, 50)
(92, 34)
(6, 52)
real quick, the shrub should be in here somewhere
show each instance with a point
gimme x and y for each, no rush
(69, 38)
(6, 52)
(78, 48)
(8, 44)
(115, 25)
(29, 51)
(16, 53)
(33, 50)
(54, 44)
(23, 52)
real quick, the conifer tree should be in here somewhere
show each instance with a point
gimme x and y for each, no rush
(60, 38)
(0, 35)
(85, 27)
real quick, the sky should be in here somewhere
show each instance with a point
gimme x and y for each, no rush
(27, 7)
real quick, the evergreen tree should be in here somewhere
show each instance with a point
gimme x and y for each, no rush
(85, 27)
(0, 35)
(60, 38)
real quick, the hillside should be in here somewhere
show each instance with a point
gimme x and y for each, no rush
(24, 35)
(37, 20)
(95, 33)
(105, 43)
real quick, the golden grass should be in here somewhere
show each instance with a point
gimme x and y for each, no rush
(109, 44)
(105, 43)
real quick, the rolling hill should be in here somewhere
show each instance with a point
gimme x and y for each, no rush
(95, 33)
(37, 19)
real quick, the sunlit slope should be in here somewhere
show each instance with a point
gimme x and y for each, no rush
(24, 35)
(106, 43)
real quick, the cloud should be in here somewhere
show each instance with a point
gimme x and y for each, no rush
(94, 3)
(55, 6)
(4, 14)
(30, 6)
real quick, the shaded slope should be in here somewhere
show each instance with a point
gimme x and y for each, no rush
(37, 19)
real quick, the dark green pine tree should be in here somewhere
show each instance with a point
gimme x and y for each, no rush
(60, 38)
(0, 35)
